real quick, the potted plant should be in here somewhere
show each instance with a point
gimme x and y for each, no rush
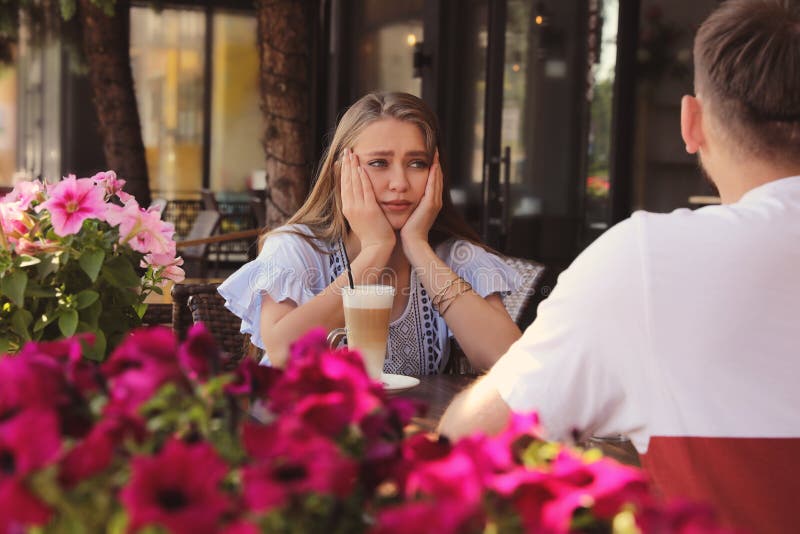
(79, 255)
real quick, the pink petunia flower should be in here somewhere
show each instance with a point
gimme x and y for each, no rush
(29, 441)
(13, 220)
(109, 182)
(24, 193)
(143, 230)
(291, 459)
(37, 246)
(71, 202)
(178, 489)
(167, 265)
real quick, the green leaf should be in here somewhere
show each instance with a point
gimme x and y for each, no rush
(86, 298)
(97, 351)
(13, 286)
(67, 9)
(35, 290)
(43, 320)
(118, 523)
(4, 344)
(119, 272)
(68, 322)
(91, 261)
(26, 260)
(48, 266)
(140, 309)
(21, 320)
(92, 313)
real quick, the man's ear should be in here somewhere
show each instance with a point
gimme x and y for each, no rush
(692, 123)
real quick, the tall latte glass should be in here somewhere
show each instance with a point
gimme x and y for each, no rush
(366, 316)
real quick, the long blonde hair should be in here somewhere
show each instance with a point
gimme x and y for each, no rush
(322, 210)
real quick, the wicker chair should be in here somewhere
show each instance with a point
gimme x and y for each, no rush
(181, 315)
(192, 303)
(515, 304)
(157, 314)
(517, 301)
(196, 256)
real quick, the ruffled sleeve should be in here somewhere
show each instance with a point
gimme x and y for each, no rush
(288, 267)
(486, 272)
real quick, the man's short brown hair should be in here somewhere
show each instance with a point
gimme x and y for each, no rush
(747, 66)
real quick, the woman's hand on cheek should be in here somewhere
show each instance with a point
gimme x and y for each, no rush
(360, 208)
(416, 228)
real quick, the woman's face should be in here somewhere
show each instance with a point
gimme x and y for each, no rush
(393, 154)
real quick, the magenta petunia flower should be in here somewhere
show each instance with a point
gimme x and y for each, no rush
(421, 516)
(94, 453)
(250, 378)
(604, 486)
(79, 372)
(290, 459)
(199, 354)
(179, 489)
(241, 527)
(29, 441)
(31, 381)
(328, 389)
(452, 479)
(140, 365)
(71, 202)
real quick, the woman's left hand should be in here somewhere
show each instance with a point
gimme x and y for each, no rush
(416, 228)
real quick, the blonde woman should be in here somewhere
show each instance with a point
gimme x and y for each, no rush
(381, 198)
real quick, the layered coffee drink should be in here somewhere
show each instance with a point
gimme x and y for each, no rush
(366, 316)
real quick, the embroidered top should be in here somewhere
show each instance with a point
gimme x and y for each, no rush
(289, 267)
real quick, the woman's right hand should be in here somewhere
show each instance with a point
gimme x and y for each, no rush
(360, 207)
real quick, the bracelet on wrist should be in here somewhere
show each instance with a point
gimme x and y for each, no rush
(463, 288)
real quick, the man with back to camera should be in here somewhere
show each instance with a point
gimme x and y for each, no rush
(680, 330)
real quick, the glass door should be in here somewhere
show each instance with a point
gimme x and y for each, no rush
(526, 125)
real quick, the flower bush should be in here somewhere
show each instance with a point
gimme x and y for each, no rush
(79, 255)
(156, 439)
(597, 186)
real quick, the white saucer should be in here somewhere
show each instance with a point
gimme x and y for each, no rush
(398, 382)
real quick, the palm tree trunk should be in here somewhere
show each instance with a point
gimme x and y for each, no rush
(106, 44)
(284, 41)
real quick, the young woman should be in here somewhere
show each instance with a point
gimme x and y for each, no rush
(381, 198)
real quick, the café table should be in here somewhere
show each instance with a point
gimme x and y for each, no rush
(437, 391)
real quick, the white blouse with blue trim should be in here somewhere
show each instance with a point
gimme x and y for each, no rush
(289, 267)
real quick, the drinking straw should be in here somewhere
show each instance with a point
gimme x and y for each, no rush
(347, 264)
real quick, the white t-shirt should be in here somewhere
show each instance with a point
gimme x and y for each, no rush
(289, 267)
(680, 324)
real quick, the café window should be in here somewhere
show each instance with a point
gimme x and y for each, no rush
(8, 123)
(386, 33)
(191, 143)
